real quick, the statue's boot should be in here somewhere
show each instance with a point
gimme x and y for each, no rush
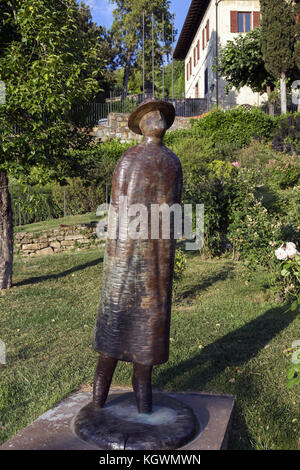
(141, 382)
(103, 377)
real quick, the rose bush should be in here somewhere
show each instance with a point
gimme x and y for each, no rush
(290, 273)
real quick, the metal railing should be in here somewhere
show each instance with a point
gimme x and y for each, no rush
(184, 107)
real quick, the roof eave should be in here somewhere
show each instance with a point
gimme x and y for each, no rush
(189, 29)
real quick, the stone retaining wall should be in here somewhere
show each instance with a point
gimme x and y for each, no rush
(58, 240)
(117, 128)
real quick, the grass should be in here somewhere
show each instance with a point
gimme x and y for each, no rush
(55, 223)
(226, 336)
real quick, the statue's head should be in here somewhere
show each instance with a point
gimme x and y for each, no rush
(153, 124)
(152, 118)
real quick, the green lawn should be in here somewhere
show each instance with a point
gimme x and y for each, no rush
(226, 337)
(55, 223)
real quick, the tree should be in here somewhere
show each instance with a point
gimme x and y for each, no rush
(127, 32)
(92, 32)
(278, 38)
(49, 67)
(241, 64)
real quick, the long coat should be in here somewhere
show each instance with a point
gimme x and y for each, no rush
(133, 323)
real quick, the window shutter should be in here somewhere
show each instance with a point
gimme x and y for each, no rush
(256, 19)
(187, 72)
(194, 57)
(207, 31)
(203, 39)
(198, 49)
(234, 22)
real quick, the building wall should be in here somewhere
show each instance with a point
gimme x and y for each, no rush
(208, 55)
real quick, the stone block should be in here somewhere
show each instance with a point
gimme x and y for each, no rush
(74, 237)
(34, 246)
(55, 244)
(45, 251)
(67, 243)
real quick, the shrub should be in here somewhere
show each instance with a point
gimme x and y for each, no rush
(83, 194)
(179, 264)
(236, 126)
(33, 204)
(254, 230)
(79, 196)
(289, 279)
(287, 134)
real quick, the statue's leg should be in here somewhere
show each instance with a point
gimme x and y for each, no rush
(103, 377)
(141, 382)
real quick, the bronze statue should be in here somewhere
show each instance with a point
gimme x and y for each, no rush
(134, 315)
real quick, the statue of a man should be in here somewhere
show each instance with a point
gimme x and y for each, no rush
(133, 323)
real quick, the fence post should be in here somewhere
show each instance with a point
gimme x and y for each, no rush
(20, 219)
(65, 208)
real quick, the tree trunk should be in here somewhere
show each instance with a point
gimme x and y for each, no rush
(271, 105)
(6, 234)
(126, 75)
(283, 93)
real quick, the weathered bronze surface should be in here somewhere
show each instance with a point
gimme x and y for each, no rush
(118, 426)
(133, 323)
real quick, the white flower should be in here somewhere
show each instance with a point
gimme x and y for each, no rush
(291, 249)
(281, 254)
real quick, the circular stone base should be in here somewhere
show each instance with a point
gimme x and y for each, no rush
(119, 426)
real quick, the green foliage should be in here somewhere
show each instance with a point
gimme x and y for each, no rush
(207, 152)
(127, 33)
(34, 203)
(287, 281)
(261, 212)
(278, 36)
(236, 126)
(252, 228)
(241, 63)
(99, 162)
(80, 198)
(83, 194)
(48, 67)
(297, 35)
(178, 79)
(179, 264)
(287, 136)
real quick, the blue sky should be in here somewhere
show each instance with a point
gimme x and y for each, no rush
(102, 12)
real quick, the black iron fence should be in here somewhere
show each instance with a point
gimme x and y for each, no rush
(94, 113)
(184, 107)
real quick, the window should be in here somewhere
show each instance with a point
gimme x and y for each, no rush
(207, 31)
(205, 35)
(206, 82)
(244, 22)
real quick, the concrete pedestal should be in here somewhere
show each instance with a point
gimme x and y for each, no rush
(53, 429)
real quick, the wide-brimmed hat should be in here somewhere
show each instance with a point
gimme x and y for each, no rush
(146, 106)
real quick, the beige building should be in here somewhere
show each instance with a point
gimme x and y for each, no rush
(208, 26)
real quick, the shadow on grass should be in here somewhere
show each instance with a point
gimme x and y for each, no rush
(36, 280)
(232, 350)
(201, 285)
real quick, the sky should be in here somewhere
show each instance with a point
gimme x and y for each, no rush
(102, 12)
